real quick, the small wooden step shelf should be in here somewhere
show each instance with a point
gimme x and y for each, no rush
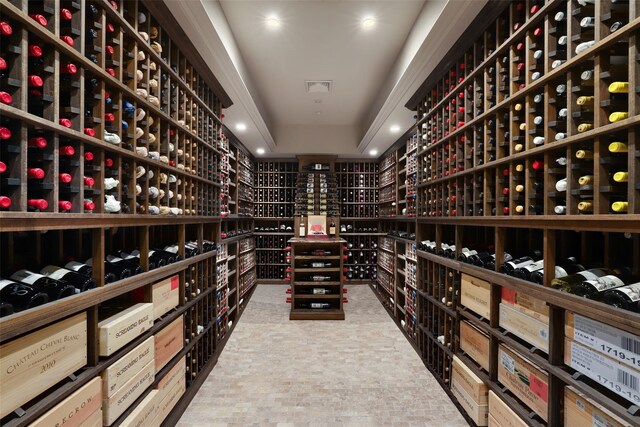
(313, 297)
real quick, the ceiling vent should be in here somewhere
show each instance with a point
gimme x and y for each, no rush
(318, 86)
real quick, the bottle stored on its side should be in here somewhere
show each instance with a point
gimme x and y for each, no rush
(563, 269)
(87, 270)
(625, 297)
(79, 281)
(315, 305)
(55, 289)
(134, 257)
(118, 271)
(595, 289)
(567, 283)
(21, 296)
(132, 266)
(315, 291)
(509, 267)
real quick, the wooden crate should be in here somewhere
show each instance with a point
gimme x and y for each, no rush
(524, 326)
(165, 296)
(172, 396)
(476, 295)
(536, 308)
(492, 422)
(478, 413)
(121, 328)
(76, 409)
(612, 342)
(176, 374)
(619, 378)
(502, 415)
(579, 410)
(168, 342)
(94, 420)
(115, 405)
(475, 343)
(127, 367)
(524, 380)
(144, 413)
(469, 382)
(31, 364)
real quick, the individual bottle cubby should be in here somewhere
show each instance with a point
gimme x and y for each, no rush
(275, 184)
(362, 254)
(358, 189)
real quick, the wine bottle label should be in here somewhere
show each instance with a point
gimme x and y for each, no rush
(151, 253)
(4, 283)
(54, 272)
(538, 265)
(129, 256)
(174, 249)
(26, 276)
(605, 283)
(74, 265)
(112, 258)
(588, 275)
(560, 272)
(317, 305)
(632, 291)
(319, 291)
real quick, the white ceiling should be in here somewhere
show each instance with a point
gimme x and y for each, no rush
(374, 71)
(319, 40)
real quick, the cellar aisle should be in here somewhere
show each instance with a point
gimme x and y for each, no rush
(360, 371)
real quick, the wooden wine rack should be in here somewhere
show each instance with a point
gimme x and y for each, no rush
(139, 61)
(490, 129)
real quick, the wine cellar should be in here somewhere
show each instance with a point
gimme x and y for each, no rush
(500, 232)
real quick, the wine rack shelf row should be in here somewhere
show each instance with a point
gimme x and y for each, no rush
(115, 163)
(526, 213)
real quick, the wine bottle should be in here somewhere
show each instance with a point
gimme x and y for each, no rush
(619, 87)
(315, 291)
(625, 297)
(158, 255)
(21, 295)
(585, 206)
(595, 289)
(618, 116)
(318, 278)
(509, 267)
(55, 289)
(525, 272)
(120, 272)
(620, 207)
(567, 283)
(79, 281)
(563, 269)
(315, 305)
(134, 257)
(132, 266)
(87, 270)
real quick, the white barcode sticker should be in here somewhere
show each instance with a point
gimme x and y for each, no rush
(598, 421)
(613, 342)
(26, 276)
(616, 377)
(508, 362)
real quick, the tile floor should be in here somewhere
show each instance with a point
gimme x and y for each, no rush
(356, 372)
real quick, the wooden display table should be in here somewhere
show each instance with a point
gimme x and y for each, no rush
(316, 278)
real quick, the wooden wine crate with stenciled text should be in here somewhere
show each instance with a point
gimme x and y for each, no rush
(579, 410)
(168, 342)
(478, 413)
(475, 294)
(125, 368)
(123, 327)
(525, 380)
(525, 327)
(469, 382)
(75, 410)
(124, 397)
(501, 415)
(475, 344)
(144, 413)
(31, 364)
(171, 398)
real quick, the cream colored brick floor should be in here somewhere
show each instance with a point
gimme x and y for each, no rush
(356, 372)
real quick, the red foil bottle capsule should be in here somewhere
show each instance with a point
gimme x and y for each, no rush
(37, 142)
(67, 150)
(68, 40)
(65, 178)
(39, 19)
(40, 204)
(64, 205)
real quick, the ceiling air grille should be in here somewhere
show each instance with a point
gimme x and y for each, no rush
(318, 86)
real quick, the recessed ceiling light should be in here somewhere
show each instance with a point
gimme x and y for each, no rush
(241, 127)
(373, 152)
(273, 22)
(317, 101)
(318, 113)
(395, 128)
(260, 151)
(368, 23)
